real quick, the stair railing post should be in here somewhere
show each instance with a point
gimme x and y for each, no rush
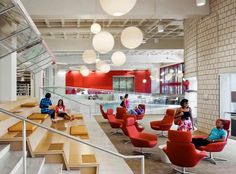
(24, 146)
(142, 165)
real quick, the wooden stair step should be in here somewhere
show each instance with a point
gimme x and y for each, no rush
(18, 126)
(78, 130)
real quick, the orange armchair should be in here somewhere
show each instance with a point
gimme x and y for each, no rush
(139, 139)
(217, 146)
(180, 150)
(164, 124)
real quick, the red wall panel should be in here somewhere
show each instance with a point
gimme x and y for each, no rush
(104, 80)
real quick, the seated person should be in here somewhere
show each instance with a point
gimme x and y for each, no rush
(137, 111)
(60, 111)
(44, 105)
(218, 134)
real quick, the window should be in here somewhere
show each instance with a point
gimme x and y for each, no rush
(125, 84)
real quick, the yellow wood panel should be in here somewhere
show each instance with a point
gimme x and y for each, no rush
(78, 130)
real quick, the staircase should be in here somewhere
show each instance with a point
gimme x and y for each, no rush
(12, 163)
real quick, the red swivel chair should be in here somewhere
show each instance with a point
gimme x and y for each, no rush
(114, 123)
(180, 150)
(217, 146)
(104, 114)
(139, 127)
(120, 112)
(139, 139)
(164, 124)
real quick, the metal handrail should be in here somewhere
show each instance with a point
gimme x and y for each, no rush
(23, 119)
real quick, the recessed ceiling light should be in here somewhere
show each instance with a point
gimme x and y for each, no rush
(160, 28)
(200, 2)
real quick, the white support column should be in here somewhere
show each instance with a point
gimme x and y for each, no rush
(38, 82)
(8, 77)
(155, 73)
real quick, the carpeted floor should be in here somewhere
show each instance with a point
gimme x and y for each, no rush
(153, 165)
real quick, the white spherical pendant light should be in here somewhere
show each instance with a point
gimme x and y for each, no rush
(95, 28)
(131, 37)
(117, 7)
(89, 56)
(105, 68)
(84, 71)
(144, 81)
(103, 42)
(118, 58)
(99, 64)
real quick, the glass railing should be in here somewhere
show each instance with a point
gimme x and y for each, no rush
(111, 99)
(19, 34)
(71, 102)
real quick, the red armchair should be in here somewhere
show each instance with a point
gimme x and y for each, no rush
(164, 124)
(217, 146)
(123, 127)
(120, 112)
(103, 112)
(114, 123)
(180, 150)
(139, 139)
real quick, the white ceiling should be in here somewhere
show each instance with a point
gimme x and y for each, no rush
(64, 24)
(135, 59)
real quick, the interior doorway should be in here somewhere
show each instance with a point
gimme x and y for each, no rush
(124, 84)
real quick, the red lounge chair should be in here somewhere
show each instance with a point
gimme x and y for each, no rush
(164, 124)
(217, 146)
(180, 150)
(139, 139)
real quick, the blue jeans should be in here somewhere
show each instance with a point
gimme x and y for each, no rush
(51, 112)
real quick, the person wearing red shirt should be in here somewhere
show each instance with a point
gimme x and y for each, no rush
(60, 111)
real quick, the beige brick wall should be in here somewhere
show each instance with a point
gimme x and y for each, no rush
(210, 45)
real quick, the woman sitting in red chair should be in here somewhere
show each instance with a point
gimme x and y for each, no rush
(218, 134)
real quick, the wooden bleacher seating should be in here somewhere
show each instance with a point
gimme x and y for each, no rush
(18, 126)
(29, 104)
(40, 142)
(38, 116)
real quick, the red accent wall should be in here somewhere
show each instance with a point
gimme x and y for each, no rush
(104, 80)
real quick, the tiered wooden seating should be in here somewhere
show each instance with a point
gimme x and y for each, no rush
(38, 116)
(58, 149)
(40, 142)
(33, 135)
(18, 126)
(15, 107)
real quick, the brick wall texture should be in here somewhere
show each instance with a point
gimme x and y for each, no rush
(210, 45)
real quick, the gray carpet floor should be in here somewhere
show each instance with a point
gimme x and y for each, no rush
(153, 164)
